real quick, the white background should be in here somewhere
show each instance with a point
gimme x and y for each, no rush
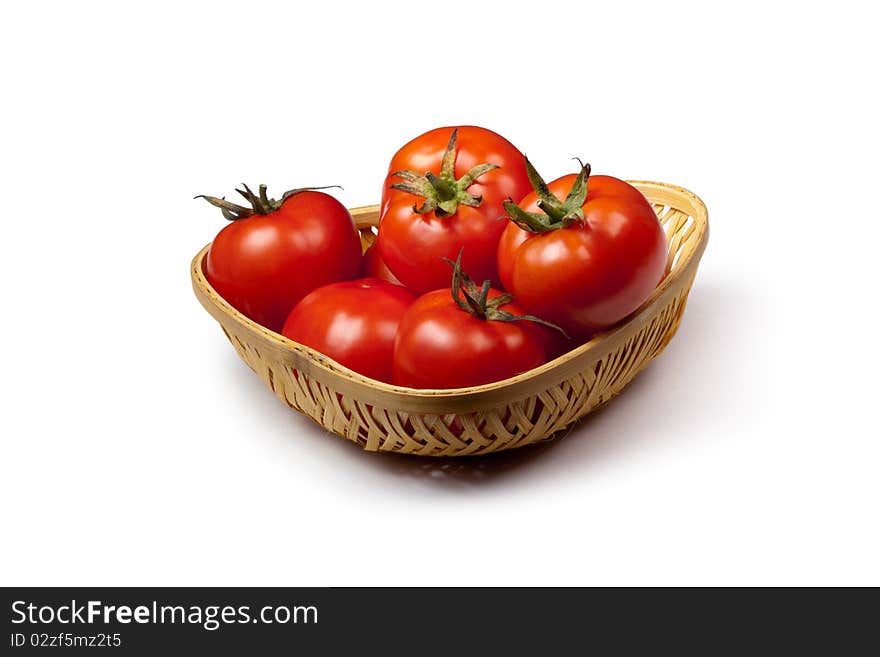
(138, 449)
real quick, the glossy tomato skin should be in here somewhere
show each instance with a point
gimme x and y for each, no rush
(587, 277)
(353, 322)
(439, 345)
(413, 244)
(375, 267)
(264, 264)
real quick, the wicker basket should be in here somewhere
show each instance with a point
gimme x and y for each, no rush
(534, 406)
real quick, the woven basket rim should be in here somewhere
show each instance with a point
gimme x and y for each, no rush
(217, 306)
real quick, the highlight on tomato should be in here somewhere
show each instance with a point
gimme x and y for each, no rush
(466, 336)
(582, 252)
(274, 252)
(353, 322)
(445, 191)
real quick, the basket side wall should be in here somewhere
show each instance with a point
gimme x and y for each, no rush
(538, 417)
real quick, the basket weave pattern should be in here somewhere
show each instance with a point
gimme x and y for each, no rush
(534, 406)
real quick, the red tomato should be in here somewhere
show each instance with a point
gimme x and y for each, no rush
(591, 261)
(353, 322)
(445, 190)
(276, 252)
(375, 267)
(465, 338)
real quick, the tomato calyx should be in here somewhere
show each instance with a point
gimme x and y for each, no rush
(443, 194)
(475, 300)
(555, 213)
(260, 203)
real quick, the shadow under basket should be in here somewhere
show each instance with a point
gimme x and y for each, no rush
(538, 405)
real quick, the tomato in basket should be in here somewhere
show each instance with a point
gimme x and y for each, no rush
(275, 252)
(582, 252)
(444, 191)
(375, 267)
(353, 322)
(466, 336)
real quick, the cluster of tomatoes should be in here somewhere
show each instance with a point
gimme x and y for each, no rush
(480, 270)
